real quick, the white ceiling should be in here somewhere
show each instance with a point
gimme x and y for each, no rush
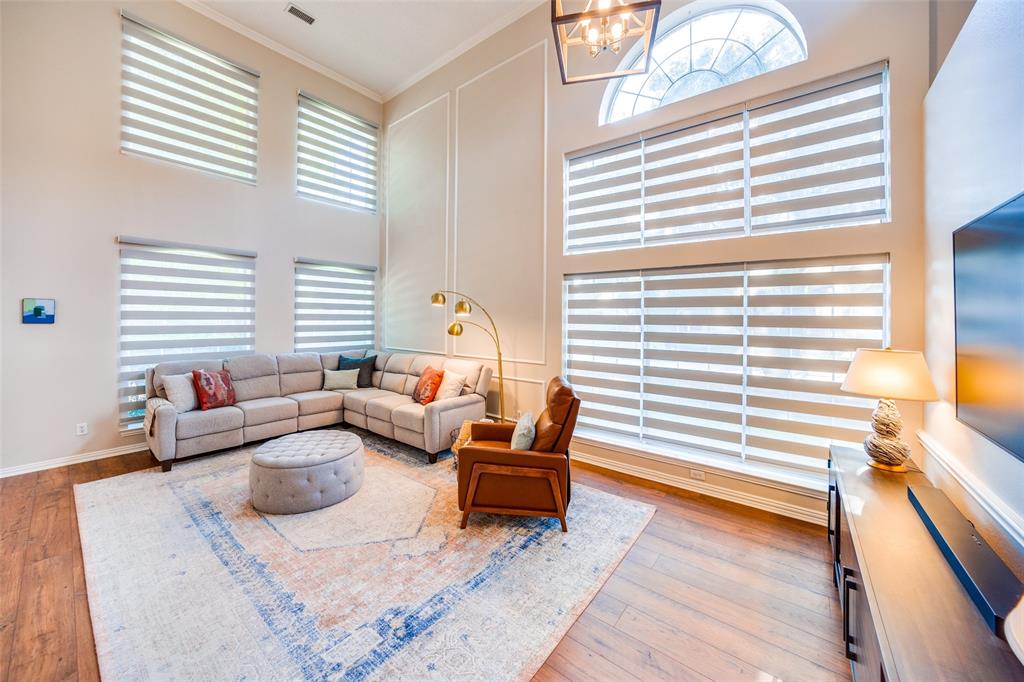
(379, 46)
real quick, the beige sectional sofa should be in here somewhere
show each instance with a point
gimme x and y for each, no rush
(279, 394)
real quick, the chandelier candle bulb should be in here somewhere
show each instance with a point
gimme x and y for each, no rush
(589, 37)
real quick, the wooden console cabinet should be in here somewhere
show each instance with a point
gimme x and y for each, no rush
(906, 617)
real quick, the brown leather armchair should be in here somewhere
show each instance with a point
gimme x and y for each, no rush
(495, 479)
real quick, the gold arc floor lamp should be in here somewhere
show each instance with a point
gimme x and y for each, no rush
(889, 374)
(464, 308)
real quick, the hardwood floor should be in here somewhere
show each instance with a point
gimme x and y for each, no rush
(711, 590)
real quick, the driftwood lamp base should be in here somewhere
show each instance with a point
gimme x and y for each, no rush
(885, 447)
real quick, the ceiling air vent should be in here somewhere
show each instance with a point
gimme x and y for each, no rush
(296, 12)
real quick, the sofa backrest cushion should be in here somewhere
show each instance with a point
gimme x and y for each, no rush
(155, 375)
(396, 373)
(300, 372)
(254, 376)
(330, 360)
(473, 371)
(378, 368)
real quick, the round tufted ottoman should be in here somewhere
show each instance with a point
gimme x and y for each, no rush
(301, 472)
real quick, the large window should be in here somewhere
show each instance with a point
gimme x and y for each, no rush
(337, 156)
(180, 303)
(702, 53)
(185, 105)
(334, 306)
(811, 158)
(744, 361)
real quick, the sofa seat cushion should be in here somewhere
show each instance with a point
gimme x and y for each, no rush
(380, 408)
(266, 410)
(409, 416)
(205, 422)
(356, 400)
(315, 402)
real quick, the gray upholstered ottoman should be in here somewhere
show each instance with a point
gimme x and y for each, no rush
(304, 471)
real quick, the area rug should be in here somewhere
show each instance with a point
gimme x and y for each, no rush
(187, 581)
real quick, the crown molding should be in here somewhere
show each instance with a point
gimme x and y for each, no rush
(269, 43)
(463, 47)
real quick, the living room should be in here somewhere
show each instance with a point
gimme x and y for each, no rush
(509, 339)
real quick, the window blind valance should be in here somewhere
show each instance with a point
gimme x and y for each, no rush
(743, 360)
(182, 104)
(810, 158)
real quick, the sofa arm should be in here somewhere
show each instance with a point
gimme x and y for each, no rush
(160, 425)
(441, 417)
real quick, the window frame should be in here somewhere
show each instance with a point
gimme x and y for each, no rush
(172, 124)
(308, 267)
(687, 15)
(798, 470)
(357, 121)
(744, 110)
(178, 261)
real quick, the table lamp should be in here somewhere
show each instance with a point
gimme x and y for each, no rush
(889, 375)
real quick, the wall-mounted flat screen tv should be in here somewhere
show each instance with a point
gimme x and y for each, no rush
(988, 274)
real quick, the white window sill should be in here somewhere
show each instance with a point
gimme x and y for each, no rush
(800, 482)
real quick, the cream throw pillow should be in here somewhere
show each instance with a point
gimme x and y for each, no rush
(181, 392)
(451, 386)
(524, 433)
(341, 379)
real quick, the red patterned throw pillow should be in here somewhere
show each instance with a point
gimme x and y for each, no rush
(213, 389)
(426, 387)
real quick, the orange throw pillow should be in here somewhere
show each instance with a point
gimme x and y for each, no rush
(426, 387)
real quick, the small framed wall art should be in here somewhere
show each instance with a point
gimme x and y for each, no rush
(38, 310)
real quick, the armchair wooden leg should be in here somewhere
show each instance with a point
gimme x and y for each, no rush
(553, 480)
(474, 479)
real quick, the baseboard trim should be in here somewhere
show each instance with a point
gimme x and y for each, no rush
(1009, 521)
(72, 459)
(819, 518)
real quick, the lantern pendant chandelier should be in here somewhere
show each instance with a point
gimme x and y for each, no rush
(588, 42)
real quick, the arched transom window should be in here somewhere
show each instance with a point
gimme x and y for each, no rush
(707, 51)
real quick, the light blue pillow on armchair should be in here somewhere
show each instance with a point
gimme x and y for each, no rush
(524, 433)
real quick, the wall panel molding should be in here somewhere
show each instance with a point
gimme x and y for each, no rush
(386, 319)
(543, 217)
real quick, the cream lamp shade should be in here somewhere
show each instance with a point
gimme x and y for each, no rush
(893, 374)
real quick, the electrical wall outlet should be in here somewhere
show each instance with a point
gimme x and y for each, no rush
(697, 474)
(82, 429)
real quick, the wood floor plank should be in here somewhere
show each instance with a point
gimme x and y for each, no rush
(50, 529)
(85, 649)
(44, 639)
(630, 654)
(687, 648)
(822, 648)
(11, 578)
(606, 607)
(581, 664)
(771, 559)
(549, 674)
(743, 567)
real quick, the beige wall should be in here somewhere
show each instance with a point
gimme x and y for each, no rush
(500, 166)
(67, 190)
(974, 151)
